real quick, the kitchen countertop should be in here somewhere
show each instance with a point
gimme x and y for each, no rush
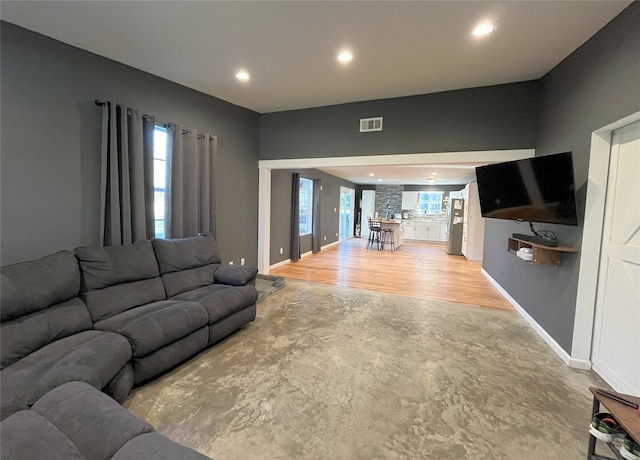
(384, 221)
(428, 221)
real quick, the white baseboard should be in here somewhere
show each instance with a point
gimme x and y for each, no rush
(280, 264)
(335, 243)
(306, 254)
(564, 356)
(582, 364)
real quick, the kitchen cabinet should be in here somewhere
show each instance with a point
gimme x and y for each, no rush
(444, 235)
(421, 231)
(410, 231)
(424, 231)
(410, 200)
(433, 232)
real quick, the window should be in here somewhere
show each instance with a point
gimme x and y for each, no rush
(306, 206)
(159, 178)
(430, 202)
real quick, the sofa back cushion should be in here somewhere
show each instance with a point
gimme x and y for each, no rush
(187, 263)
(40, 305)
(117, 278)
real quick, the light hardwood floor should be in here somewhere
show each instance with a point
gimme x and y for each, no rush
(416, 269)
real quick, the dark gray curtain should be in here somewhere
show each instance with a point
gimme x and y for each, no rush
(316, 241)
(191, 204)
(295, 218)
(126, 200)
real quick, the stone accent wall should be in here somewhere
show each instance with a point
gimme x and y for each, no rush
(391, 194)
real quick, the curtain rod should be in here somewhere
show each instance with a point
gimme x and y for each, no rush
(144, 115)
(149, 117)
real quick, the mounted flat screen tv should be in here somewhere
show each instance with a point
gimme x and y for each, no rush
(538, 189)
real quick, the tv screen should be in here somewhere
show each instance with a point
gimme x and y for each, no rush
(538, 189)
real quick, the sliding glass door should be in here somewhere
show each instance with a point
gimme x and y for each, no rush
(347, 198)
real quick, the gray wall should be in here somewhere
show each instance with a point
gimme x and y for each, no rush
(494, 117)
(51, 146)
(595, 86)
(281, 183)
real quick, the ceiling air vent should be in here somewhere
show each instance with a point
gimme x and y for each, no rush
(370, 124)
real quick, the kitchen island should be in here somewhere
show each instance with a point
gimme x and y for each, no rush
(398, 231)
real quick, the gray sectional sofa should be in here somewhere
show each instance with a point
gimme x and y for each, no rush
(77, 421)
(102, 320)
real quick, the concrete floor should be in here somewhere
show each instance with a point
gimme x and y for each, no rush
(336, 373)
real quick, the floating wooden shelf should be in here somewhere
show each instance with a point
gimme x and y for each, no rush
(541, 255)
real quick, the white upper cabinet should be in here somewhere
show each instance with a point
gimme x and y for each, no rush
(410, 200)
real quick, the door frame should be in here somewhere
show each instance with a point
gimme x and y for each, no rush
(588, 273)
(265, 167)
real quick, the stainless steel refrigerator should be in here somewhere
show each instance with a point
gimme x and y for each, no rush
(455, 225)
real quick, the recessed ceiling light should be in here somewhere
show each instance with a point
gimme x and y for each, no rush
(371, 174)
(379, 180)
(483, 29)
(242, 75)
(345, 56)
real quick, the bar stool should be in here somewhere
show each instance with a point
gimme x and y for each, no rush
(388, 237)
(375, 228)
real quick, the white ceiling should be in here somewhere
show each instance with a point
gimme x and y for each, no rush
(290, 47)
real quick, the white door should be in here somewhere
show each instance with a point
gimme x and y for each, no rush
(616, 343)
(368, 210)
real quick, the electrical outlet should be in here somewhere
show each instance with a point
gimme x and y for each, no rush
(231, 262)
(336, 234)
(335, 209)
(242, 261)
(325, 237)
(281, 251)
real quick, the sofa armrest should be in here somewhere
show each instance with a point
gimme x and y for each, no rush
(234, 275)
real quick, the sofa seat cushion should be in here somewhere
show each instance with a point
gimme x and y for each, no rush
(27, 435)
(96, 424)
(150, 327)
(22, 336)
(221, 300)
(154, 446)
(94, 357)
